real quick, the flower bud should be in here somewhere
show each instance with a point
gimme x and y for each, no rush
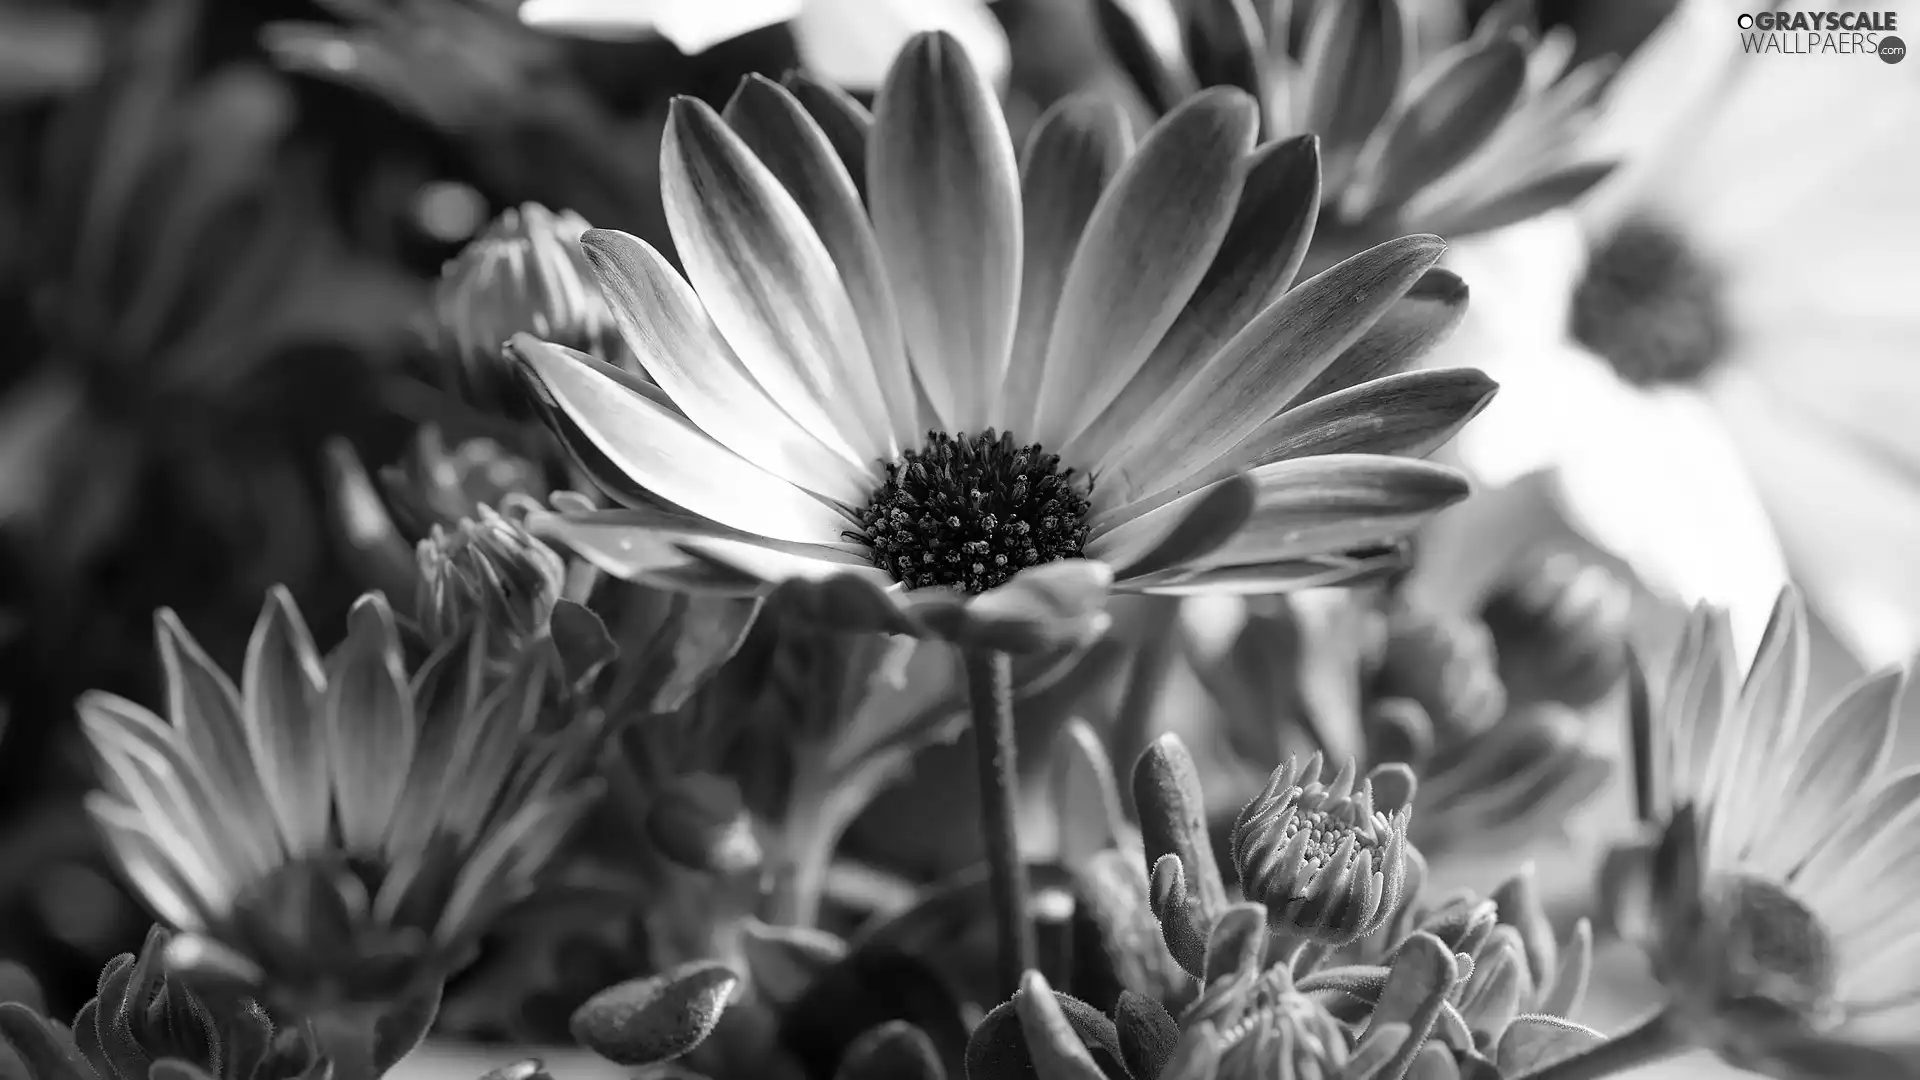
(700, 822)
(526, 274)
(1447, 664)
(1561, 630)
(434, 486)
(492, 569)
(1327, 865)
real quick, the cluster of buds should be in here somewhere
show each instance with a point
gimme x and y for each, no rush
(487, 571)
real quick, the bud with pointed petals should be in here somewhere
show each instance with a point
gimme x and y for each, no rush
(488, 569)
(1561, 630)
(1327, 864)
(526, 274)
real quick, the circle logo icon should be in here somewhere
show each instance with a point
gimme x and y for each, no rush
(1892, 49)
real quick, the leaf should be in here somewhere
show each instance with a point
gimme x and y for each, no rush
(893, 1051)
(657, 1018)
(583, 643)
(1532, 1043)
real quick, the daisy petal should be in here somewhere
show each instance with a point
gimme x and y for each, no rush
(767, 280)
(1559, 188)
(1266, 365)
(1407, 415)
(1213, 519)
(945, 198)
(145, 767)
(1144, 252)
(205, 709)
(145, 862)
(670, 457)
(662, 322)
(1265, 245)
(1268, 579)
(1452, 112)
(1042, 608)
(773, 564)
(1833, 765)
(1229, 47)
(283, 682)
(1320, 505)
(845, 122)
(642, 544)
(1416, 322)
(776, 127)
(1765, 717)
(1356, 60)
(370, 725)
(1891, 809)
(1146, 38)
(1076, 150)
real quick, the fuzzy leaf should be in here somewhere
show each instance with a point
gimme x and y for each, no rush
(893, 1051)
(657, 1018)
(1532, 1043)
(1148, 1034)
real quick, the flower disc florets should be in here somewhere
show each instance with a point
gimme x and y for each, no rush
(1327, 865)
(1768, 946)
(1650, 306)
(970, 511)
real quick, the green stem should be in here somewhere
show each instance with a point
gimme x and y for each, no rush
(346, 1036)
(1657, 1037)
(990, 693)
(1147, 678)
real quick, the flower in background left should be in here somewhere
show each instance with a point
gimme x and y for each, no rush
(335, 834)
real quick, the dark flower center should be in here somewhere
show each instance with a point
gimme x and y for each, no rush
(970, 511)
(1776, 949)
(1651, 306)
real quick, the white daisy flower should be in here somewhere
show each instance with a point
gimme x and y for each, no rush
(973, 404)
(1717, 355)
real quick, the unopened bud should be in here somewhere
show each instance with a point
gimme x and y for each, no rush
(432, 485)
(487, 568)
(526, 274)
(1328, 866)
(1447, 664)
(1561, 630)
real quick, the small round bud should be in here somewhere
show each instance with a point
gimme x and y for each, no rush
(526, 274)
(1328, 866)
(1447, 664)
(1561, 630)
(700, 822)
(487, 568)
(434, 486)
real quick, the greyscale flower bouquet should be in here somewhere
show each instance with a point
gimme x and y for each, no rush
(1121, 471)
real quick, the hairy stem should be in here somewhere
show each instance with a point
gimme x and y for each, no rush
(990, 693)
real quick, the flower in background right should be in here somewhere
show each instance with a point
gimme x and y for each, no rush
(1714, 354)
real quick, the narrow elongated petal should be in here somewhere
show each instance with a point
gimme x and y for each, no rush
(1146, 248)
(1266, 365)
(1269, 579)
(1075, 151)
(1416, 322)
(1263, 250)
(1411, 414)
(1449, 115)
(1229, 47)
(1357, 56)
(503, 871)
(205, 709)
(149, 864)
(1527, 200)
(283, 684)
(1315, 505)
(767, 280)
(149, 771)
(668, 456)
(776, 127)
(1215, 516)
(1838, 757)
(846, 123)
(1146, 39)
(945, 198)
(1752, 752)
(370, 725)
(668, 331)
